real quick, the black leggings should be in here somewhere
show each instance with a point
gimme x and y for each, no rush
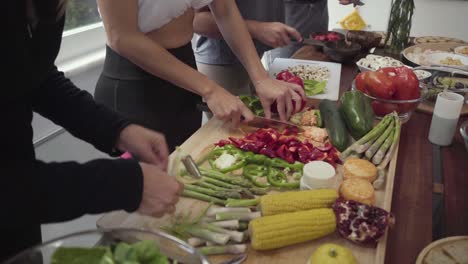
(148, 100)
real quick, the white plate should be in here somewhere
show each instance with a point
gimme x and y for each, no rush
(435, 59)
(458, 50)
(333, 84)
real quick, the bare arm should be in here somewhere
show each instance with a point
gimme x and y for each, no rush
(273, 34)
(121, 22)
(234, 30)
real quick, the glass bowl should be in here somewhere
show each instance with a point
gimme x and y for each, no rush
(404, 108)
(170, 246)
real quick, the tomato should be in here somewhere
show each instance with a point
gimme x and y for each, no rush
(284, 75)
(379, 85)
(382, 109)
(360, 82)
(406, 82)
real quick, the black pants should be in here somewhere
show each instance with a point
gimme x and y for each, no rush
(148, 100)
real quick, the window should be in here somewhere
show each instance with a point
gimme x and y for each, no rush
(81, 13)
(84, 38)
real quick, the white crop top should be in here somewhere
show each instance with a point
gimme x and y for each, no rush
(153, 14)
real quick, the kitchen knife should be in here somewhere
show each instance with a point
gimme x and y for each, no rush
(260, 122)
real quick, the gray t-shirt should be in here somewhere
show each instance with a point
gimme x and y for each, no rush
(216, 51)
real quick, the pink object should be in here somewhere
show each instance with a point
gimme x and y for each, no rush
(126, 155)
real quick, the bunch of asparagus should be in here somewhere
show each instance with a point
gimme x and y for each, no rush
(218, 230)
(222, 189)
(377, 146)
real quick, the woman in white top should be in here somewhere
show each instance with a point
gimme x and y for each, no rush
(149, 60)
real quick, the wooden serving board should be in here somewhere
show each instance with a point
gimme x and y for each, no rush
(212, 132)
(428, 108)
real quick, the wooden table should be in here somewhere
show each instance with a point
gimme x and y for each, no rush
(413, 187)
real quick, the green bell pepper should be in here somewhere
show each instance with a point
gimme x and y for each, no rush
(253, 171)
(277, 178)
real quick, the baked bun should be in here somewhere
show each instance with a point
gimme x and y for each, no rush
(359, 168)
(359, 190)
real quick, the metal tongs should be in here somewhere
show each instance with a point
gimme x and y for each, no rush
(191, 167)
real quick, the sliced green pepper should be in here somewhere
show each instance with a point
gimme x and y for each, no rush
(280, 163)
(258, 159)
(278, 179)
(252, 172)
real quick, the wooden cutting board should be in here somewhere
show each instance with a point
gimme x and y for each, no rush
(212, 132)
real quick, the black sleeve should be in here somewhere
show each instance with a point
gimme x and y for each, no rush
(59, 100)
(41, 192)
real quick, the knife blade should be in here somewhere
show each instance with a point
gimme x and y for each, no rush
(260, 122)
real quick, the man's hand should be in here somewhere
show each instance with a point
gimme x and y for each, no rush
(149, 146)
(283, 93)
(160, 191)
(273, 34)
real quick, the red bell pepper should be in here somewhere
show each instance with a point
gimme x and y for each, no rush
(289, 77)
(378, 84)
(406, 82)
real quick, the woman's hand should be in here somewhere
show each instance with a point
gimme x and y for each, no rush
(273, 34)
(270, 91)
(226, 106)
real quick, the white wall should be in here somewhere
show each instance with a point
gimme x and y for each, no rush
(431, 17)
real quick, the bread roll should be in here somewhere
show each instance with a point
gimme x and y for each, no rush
(359, 168)
(358, 190)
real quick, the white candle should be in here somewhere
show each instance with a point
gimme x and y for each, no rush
(445, 118)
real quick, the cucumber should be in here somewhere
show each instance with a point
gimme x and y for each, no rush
(334, 124)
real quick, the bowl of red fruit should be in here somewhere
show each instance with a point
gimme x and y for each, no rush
(327, 36)
(391, 89)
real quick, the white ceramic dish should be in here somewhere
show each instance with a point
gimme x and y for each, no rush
(333, 83)
(375, 62)
(462, 50)
(422, 74)
(436, 58)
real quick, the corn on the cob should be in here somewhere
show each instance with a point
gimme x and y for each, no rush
(270, 232)
(280, 203)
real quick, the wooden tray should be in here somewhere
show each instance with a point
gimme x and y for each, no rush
(435, 244)
(428, 108)
(212, 132)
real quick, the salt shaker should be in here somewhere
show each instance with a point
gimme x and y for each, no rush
(445, 118)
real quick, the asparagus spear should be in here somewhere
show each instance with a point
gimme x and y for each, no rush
(374, 133)
(228, 249)
(242, 203)
(219, 194)
(195, 241)
(208, 185)
(208, 235)
(362, 148)
(223, 177)
(380, 141)
(212, 211)
(378, 183)
(381, 154)
(231, 224)
(203, 197)
(237, 215)
(234, 235)
(221, 183)
(383, 149)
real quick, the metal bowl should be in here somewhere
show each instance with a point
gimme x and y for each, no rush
(170, 246)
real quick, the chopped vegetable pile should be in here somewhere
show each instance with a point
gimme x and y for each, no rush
(284, 145)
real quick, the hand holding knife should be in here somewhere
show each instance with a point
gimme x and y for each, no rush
(354, 2)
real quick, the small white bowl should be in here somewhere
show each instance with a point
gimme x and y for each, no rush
(422, 74)
(458, 50)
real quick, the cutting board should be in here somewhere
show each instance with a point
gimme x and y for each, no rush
(212, 132)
